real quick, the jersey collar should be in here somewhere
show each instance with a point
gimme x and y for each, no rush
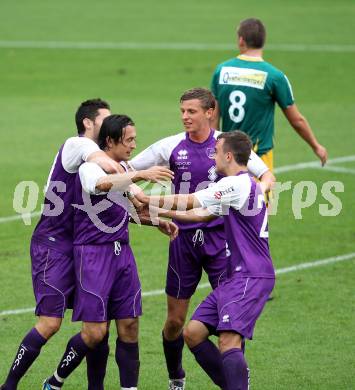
(242, 173)
(244, 57)
(201, 144)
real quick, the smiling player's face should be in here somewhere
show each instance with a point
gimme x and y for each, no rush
(194, 117)
(122, 150)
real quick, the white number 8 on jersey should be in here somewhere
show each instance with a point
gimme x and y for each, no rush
(237, 99)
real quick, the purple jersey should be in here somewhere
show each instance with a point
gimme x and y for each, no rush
(241, 202)
(193, 165)
(99, 218)
(55, 227)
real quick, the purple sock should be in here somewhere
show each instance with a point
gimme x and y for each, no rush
(235, 369)
(173, 357)
(127, 358)
(27, 353)
(96, 360)
(75, 352)
(208, 357)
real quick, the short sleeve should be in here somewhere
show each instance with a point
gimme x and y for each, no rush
(75, 151)
(224, 194)
(283, 91)
(256, 165)
(157, 154)
(89, 174)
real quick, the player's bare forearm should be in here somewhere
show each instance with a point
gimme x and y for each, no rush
(151, 219)
(303, 129)
(180, 202)
(122, 181)
(105, 162)
(193, 215)
(119, 181)
(267, 181)
(146, 219)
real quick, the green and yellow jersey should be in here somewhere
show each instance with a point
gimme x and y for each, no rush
(246, 89)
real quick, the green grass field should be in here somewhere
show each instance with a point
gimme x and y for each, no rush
(305, 337)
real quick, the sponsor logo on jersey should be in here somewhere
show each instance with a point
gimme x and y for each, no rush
(243, 76)
(182, 164)
(182, 154)
(219, 194)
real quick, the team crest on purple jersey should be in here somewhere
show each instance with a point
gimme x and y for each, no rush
(210, 153)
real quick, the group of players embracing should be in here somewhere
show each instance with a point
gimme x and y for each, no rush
(82, 259)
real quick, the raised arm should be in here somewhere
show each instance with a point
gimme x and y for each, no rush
(94, 180)
(105, 162)
(122, 181)
(77, 150)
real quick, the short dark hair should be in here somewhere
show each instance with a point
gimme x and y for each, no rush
(239, 144)
(253, 32)
(88, 109)
(113, 127)
(204, 95)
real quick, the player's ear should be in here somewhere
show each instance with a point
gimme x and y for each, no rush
(87, 123)
(109, 142)
(209, 113)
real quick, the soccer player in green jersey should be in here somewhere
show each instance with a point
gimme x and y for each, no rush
(247, 87)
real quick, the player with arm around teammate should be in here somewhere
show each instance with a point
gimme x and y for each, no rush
(231, 310)
(200, 245)
(106, 277)
(52, 239)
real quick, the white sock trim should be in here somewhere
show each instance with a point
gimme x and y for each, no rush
(128, 388)
(57, 377)
(55, 387)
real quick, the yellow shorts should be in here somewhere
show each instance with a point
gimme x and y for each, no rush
(268, 159)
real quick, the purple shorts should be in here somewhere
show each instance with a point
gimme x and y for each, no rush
(107, 283)
(53, 280)
(189, 253)
(235, 305)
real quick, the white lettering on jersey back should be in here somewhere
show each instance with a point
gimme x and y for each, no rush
(253, 78)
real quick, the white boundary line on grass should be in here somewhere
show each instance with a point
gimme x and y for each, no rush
(314, 164)
(292, 47)
(294, 268)
(285, 168)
